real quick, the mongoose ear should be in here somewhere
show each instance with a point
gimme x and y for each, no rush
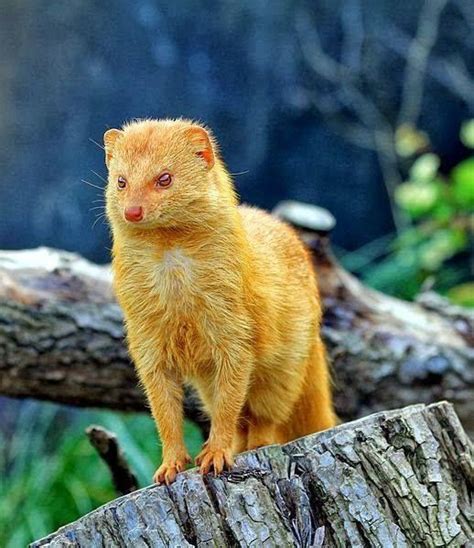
(201, 143)
(110, 136)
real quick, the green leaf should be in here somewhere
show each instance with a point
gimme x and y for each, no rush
(410, 141)
(463, 181)
(424, 168)
(462, 294)
(467, 133)
(410, 237)
(398, 275)
(444, 244)
(418, 199)
(443, 212)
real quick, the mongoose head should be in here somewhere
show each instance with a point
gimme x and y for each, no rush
(160, 174)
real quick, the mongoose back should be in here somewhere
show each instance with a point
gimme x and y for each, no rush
(215, 294)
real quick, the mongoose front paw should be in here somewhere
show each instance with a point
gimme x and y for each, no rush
(169, 469)
(214, 458)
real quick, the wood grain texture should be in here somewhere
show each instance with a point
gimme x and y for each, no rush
(398, 478)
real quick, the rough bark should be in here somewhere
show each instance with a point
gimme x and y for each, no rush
(399, 478)
(61, 339)
(390, 353)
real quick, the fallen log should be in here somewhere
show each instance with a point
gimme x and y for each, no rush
(61, 336)
(398, 478)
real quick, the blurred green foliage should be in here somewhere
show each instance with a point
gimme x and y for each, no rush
(436, 244)
(51, 475)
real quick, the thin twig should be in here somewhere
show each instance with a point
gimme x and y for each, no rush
(107, 446)
(373, 126)
(417, 60)
(451, 73)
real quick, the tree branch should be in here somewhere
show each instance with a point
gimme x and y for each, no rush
(417, 61)
(107, 446)
(451, 73)
(61, 338)
(372, 125)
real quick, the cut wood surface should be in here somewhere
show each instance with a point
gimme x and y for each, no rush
(398, 478)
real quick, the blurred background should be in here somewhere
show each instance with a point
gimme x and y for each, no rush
(363, 107)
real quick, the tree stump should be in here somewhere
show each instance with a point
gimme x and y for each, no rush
(393, 479)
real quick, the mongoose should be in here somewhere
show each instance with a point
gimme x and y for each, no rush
(216, 294)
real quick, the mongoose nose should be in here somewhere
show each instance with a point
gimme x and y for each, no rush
(134, 213)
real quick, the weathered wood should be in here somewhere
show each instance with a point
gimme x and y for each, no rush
(399, 478)
(61, 338)
(389, 353)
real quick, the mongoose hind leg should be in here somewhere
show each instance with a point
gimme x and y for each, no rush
(262, 432)
(314, 410)
(239, 444)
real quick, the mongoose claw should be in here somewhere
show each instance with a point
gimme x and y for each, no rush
(169, 469)
(217, 459)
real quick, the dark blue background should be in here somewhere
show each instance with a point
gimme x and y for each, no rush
(70, 70)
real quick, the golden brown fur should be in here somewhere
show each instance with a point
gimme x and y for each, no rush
(215, 294)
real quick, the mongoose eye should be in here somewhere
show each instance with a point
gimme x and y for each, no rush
(164, 180)
(121, 183)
